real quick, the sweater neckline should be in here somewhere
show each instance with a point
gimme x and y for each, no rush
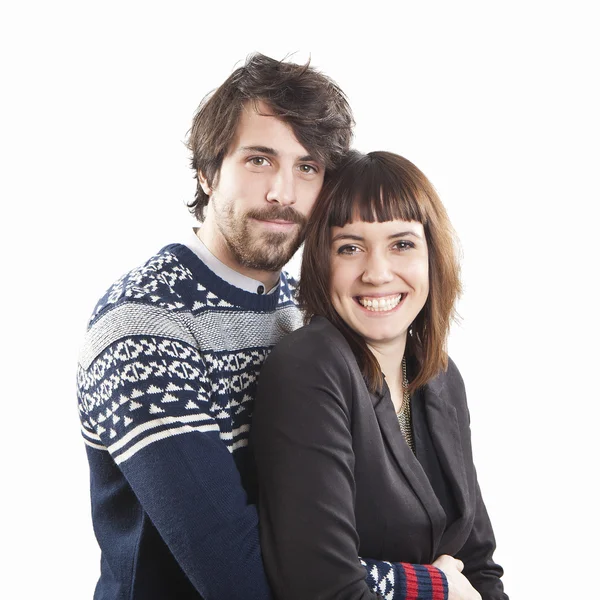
(222, 289)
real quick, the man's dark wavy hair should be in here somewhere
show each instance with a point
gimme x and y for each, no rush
(309, 102)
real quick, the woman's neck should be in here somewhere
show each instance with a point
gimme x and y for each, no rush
(389, 357)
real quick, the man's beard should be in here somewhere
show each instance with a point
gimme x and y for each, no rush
(272, 250)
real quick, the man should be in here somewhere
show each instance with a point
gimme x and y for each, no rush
(168, 369)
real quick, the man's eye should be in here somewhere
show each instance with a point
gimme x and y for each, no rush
(258, 161)
(308, 169)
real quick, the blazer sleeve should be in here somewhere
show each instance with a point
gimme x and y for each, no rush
(302, 441)
(477, 552)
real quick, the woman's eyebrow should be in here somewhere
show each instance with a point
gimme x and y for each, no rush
(403, 234)
(346, 236)
(358, 238)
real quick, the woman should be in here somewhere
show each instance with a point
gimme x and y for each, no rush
(361, 427)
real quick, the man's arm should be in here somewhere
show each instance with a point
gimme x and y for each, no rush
(146, 401)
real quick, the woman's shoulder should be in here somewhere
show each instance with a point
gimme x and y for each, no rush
(448, 377)
(314, 357)
(449, 385)
(319, 340)
(452, 374)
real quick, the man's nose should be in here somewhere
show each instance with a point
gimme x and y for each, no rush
(283, 188)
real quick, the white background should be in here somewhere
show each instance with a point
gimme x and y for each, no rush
(496, 102)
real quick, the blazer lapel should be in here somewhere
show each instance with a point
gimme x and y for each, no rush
(407, 462)
(445, 433)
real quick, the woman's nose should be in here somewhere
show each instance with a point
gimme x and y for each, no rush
(377, 271)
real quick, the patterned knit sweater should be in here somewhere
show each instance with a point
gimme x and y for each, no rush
(166, 383)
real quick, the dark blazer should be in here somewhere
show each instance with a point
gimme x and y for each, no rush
(338, 481)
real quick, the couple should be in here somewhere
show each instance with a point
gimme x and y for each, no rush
(359, 458)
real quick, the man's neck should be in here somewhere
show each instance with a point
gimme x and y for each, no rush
(218, 248)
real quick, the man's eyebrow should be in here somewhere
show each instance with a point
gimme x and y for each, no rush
(358, 238)
(261, 149)
(308, 158)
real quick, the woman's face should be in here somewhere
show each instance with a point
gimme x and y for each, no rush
(379, 278)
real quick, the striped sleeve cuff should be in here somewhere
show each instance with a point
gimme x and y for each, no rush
(405, 581)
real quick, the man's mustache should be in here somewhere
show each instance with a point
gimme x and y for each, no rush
(274, 213)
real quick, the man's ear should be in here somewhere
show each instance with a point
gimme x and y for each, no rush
(204, 184)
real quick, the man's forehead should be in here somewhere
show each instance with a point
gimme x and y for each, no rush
(259, 107)
(259, 130)
(259, 115)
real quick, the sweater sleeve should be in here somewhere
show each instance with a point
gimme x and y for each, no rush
(303, 449)
(146, 402)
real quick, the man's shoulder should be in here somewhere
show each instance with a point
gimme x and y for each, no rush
(289, 279)
(162, 281)
(288, 285)
(148, 300)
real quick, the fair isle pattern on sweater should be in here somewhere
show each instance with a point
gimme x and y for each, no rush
(144, 342)
(404, 580)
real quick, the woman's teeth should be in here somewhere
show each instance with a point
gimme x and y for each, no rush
(380, 304)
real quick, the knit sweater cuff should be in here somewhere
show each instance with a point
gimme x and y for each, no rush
(423, 582)
(406, 581)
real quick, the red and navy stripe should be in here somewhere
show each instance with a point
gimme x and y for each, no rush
(421, 582)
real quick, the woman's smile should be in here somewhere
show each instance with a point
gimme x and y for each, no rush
(381, 304)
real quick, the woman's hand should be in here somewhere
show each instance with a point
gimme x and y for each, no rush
(459, 587)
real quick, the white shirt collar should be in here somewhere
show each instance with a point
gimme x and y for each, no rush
(197, 246)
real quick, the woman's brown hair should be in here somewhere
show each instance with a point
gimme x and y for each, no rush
(381, 186)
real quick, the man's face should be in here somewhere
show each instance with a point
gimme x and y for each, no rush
(261, 199)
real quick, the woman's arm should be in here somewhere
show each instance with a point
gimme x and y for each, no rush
(303, 447)
(477, 552)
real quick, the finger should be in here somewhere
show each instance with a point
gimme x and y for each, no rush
(443, 557)
(459, 564)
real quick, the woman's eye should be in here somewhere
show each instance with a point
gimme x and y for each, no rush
(308, 169)
(404, 245)
(348, 249)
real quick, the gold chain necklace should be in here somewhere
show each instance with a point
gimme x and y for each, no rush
(404, 416)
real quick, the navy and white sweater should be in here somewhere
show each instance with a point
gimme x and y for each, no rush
(166, 383)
